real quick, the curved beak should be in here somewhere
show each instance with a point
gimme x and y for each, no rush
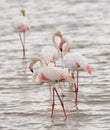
(31, 67)
(32, 70)
(60, 46)
(60, 49)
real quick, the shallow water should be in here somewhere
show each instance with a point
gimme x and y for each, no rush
(25, 106)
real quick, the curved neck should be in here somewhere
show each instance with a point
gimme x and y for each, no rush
(41, 62)
(66, 50)
(54, 43)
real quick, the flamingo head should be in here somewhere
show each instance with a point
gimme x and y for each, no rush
(63, 41)
(23, 12)
(58, 33)
(34, 60)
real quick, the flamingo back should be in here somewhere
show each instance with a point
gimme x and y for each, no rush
(82, 62)
(49, 54)
(53, 74)
(20, 23)
(69, 62)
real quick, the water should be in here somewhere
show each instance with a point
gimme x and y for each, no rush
(25, 106)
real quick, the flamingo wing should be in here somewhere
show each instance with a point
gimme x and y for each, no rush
(49, 74)
(20, 23)
(49, 53)
(82, 62)
(70, 62)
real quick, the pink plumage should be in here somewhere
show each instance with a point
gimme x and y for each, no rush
(21, 25)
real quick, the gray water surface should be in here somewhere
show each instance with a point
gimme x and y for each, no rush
(25, 106)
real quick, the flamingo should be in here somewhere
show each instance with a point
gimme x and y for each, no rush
(21, 24)
(47, 74)
(52, 53)
(75, 62)
(60, 43)
(49, 54)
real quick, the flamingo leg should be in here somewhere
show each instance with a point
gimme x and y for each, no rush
(76, 96)
(23, 47)
(24, 37)
(53, 103)
(76, 90)
(77, 77)
(24, 51)
(72, 74)
(54, 90)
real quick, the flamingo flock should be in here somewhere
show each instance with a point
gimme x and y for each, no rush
(70, 62)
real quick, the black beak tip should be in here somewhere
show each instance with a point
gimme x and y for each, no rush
(32, 71)
(61, 49)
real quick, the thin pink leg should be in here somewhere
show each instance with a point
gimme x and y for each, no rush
(77, 77)
(54, 89)
(72, 74)
(53, 104)
(23, 47)
(76, 90)
(76, 95)
(24, 52)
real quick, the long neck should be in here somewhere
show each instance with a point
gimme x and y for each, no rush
(66, 47)
(66, 50)
(41, 62)
(54, 43)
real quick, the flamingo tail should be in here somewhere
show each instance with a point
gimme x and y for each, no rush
(88, 68)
